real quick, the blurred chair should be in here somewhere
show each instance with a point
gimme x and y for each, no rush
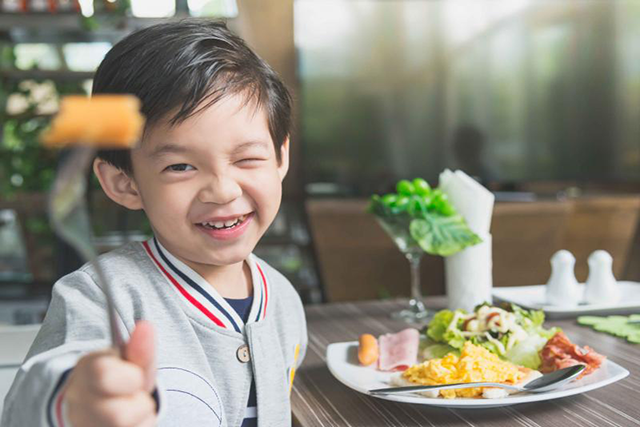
(605, 222)
(525, 236)
(357, 259)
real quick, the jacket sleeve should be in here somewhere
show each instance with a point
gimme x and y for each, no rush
(76, 324)
(304, 339)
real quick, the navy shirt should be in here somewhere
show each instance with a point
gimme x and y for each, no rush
(243, 307)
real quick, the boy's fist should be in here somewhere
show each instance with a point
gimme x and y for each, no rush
(105, 390)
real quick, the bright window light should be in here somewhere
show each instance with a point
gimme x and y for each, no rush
(314, 18)
(218, 8)
(42, 56)
(153, 8)
(86, 7)
(468, 18)
(85, 56)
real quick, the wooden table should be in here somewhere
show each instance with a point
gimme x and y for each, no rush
(318, 399)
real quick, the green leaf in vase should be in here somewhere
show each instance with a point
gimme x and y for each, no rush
(443, 235)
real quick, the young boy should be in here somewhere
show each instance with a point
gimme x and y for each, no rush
(228, 328)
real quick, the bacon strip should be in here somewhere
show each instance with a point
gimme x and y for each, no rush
(560, 352)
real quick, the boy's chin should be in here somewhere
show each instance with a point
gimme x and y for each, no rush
(223, 258)
(227, 260)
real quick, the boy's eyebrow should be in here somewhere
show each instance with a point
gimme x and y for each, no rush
(167, 149)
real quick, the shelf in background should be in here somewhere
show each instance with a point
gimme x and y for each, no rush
(68, 27)
(56, 75)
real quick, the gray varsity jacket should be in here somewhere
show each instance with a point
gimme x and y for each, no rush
(206, 355)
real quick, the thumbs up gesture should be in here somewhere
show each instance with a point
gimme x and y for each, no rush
(105, 390)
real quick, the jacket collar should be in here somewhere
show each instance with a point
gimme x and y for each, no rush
(201, 297)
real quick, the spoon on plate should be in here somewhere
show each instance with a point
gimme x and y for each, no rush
(542, 384)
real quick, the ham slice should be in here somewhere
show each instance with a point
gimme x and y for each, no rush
(560, 353)
(398, 351)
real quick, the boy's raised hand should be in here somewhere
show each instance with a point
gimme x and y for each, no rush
(106, 390)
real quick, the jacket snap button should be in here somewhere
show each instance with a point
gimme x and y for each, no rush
(243, 354)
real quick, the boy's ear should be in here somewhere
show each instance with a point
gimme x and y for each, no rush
(118, 186)
(283, 167)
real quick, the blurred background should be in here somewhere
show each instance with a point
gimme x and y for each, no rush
(538, 100)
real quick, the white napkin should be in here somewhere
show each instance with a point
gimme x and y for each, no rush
(471, 200)
(469, 273)
(469, 277)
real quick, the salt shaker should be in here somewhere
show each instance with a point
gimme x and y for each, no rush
(563, 288)
(601, 287)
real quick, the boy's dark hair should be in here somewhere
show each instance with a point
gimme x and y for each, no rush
(179, 68)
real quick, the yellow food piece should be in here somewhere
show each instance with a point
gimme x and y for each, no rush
(474, 364)
(110, 121)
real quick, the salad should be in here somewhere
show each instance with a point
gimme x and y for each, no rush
(512, 333)
(423, 215)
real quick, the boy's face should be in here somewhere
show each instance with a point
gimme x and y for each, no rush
(212, 185)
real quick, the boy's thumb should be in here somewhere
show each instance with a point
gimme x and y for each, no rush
(140, 350)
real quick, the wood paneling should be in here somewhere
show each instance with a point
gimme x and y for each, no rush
(607, 223)
(525, 236)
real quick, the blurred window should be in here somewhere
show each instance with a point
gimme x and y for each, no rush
(153, 8)
(41, 56)
(85, 56)
(218, 8)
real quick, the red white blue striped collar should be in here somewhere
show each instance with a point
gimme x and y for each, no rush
(202, 297)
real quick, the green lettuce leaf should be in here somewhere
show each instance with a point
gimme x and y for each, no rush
(527, 352)
(437, 351)
(439, 324)
(528, 319)
(443, 235)
(439, 332)
(454, 338)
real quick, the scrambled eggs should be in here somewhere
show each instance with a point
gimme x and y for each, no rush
(474, 364)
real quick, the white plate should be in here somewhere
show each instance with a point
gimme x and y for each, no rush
(533, 297)
(343, 364)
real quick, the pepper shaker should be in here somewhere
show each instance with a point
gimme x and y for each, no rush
(601, 286)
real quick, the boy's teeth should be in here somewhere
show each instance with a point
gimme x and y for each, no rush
(225, 224)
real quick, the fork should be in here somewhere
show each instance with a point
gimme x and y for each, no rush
(70, 220)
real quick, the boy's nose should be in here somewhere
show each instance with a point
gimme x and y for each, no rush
(220, 191)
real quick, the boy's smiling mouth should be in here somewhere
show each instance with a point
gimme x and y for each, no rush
(225, 228)
(222, 224)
